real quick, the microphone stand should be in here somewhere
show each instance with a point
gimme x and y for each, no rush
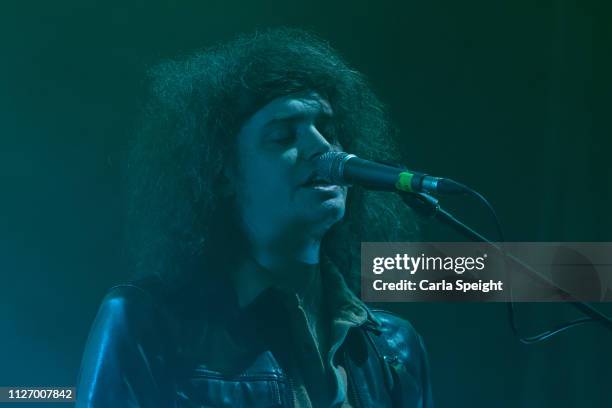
(428, 206)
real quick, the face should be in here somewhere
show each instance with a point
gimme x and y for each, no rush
(276, 189)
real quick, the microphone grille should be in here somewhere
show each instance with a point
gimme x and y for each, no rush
(330, 166)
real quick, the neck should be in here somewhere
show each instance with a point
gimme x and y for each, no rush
(289, 266)
(286, 252)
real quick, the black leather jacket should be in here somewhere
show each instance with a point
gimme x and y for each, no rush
(137, 356)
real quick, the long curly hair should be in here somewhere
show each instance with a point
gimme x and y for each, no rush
(181, 226)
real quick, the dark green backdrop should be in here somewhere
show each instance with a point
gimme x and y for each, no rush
(511, 97)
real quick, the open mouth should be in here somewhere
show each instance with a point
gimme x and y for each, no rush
(317, 181)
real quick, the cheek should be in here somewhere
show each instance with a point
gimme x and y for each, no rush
(276, 169)
(266, 179)
(289, 157)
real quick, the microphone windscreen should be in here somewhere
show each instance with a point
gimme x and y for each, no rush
(330, 166)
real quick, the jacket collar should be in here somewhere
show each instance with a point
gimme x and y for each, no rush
(344, 306)
(343, 303)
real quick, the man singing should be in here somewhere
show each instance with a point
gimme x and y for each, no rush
(247, 262)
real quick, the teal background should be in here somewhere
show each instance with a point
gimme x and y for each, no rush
(510, 97)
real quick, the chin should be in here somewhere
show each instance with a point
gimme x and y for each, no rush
(326, 215)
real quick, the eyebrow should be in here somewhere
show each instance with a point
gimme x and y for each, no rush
(295, 116)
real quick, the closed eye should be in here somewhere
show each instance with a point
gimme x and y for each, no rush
(281, 137)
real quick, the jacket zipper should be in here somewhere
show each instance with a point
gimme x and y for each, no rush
(291, 390)
(351, 383)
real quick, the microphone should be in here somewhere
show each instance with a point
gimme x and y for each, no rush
(342, 168)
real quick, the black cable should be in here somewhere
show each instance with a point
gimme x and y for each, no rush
(511, 310)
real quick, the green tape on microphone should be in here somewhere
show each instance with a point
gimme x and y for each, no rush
(404, 182)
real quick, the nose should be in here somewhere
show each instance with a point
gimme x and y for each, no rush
(313, 143)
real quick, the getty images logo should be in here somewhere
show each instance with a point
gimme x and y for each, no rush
(412, 264)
